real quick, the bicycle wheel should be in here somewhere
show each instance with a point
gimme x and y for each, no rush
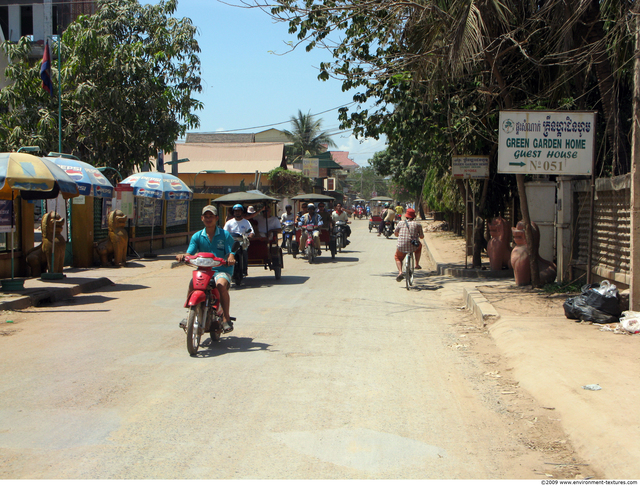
(408, 270)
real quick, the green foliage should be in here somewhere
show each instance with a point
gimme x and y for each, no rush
(432, 76)
(365, 181)
(128, 75)
(288, 183)
(307, 136)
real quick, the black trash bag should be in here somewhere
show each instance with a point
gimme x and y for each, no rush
(593, 306)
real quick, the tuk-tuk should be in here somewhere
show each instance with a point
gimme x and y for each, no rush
(375, 218)
(261, 253)
(325, 236)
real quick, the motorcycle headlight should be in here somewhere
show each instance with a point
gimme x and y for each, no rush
(205, 262)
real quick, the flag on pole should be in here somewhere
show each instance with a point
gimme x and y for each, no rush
(45, 70)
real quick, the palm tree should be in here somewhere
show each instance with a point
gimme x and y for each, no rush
(307, 135)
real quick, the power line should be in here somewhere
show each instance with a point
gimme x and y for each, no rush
(282, 123)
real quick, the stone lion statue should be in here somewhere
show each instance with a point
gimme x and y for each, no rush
(113, 249)
(499, 246)
(39, 258)
(520, 257)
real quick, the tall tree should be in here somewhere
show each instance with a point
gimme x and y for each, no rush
(307, 136)
(128, 75)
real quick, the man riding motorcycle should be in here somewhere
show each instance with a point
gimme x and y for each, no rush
(389, 214)
(240, 226)
(213, 239)
(340, 215)
(288, 221)
(310, 218)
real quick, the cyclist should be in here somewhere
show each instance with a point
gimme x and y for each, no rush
(408, 231)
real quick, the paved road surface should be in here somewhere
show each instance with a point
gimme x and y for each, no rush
(335, 371)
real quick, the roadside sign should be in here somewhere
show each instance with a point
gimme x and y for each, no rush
(310, 167)
(546, 142)
(470, 167)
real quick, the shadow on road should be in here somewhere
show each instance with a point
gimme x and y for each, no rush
(231, 344)
(270, 281)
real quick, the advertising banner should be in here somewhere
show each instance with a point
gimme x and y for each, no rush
(311, 167)
(6, 217)
(546, 142)
(470, 167)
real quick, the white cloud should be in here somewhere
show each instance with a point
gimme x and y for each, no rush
(360, 151)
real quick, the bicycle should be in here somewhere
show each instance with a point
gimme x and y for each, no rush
(409, 269)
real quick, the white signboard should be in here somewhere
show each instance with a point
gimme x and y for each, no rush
(310, 167)
(546, 142)
(470, 167)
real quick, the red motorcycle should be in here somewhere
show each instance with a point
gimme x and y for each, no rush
(205, 311)
(359, 213)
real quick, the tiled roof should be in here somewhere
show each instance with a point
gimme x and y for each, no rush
(343, 159)
(216, 137)
(235, 158)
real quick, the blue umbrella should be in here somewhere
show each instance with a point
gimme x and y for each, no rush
(158, 185)
(91, 182)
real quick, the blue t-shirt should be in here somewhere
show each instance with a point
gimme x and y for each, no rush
(221, 245)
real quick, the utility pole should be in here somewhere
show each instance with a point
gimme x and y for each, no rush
(634, 291)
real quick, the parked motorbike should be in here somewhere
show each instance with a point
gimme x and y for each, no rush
(239, 248)
(339, 237)
(289, 238)
(203, 302)
(388, 228)
(310, 251)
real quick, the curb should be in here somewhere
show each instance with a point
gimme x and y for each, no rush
(479, 306)
(54, 295)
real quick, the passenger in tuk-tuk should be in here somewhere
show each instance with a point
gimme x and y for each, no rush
(267, 222)
(327, 222)
(303, 210)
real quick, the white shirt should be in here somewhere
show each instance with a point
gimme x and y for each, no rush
(287, 217)
(240, 227)
(265, 225)
(339, 217)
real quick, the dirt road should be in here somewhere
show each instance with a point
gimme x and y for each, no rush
(334, 371)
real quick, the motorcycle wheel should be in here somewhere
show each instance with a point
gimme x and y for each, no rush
(288, 246)
(216, 331)
(194, 328)
(339, 244)
(278, 271)
(310, 253)
(237, 273)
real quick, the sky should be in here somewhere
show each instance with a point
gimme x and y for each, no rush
(252, 83)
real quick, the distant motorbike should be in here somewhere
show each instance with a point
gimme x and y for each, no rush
(203, 302)
(388, 228)
(339, 237)
(310, 251)
(289, 238)
(239, 249)
(359, 213)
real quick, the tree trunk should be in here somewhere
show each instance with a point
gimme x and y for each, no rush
(608, 90)
(478, 236)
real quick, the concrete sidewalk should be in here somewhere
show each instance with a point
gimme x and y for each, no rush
(553, 358)
(83, 280)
